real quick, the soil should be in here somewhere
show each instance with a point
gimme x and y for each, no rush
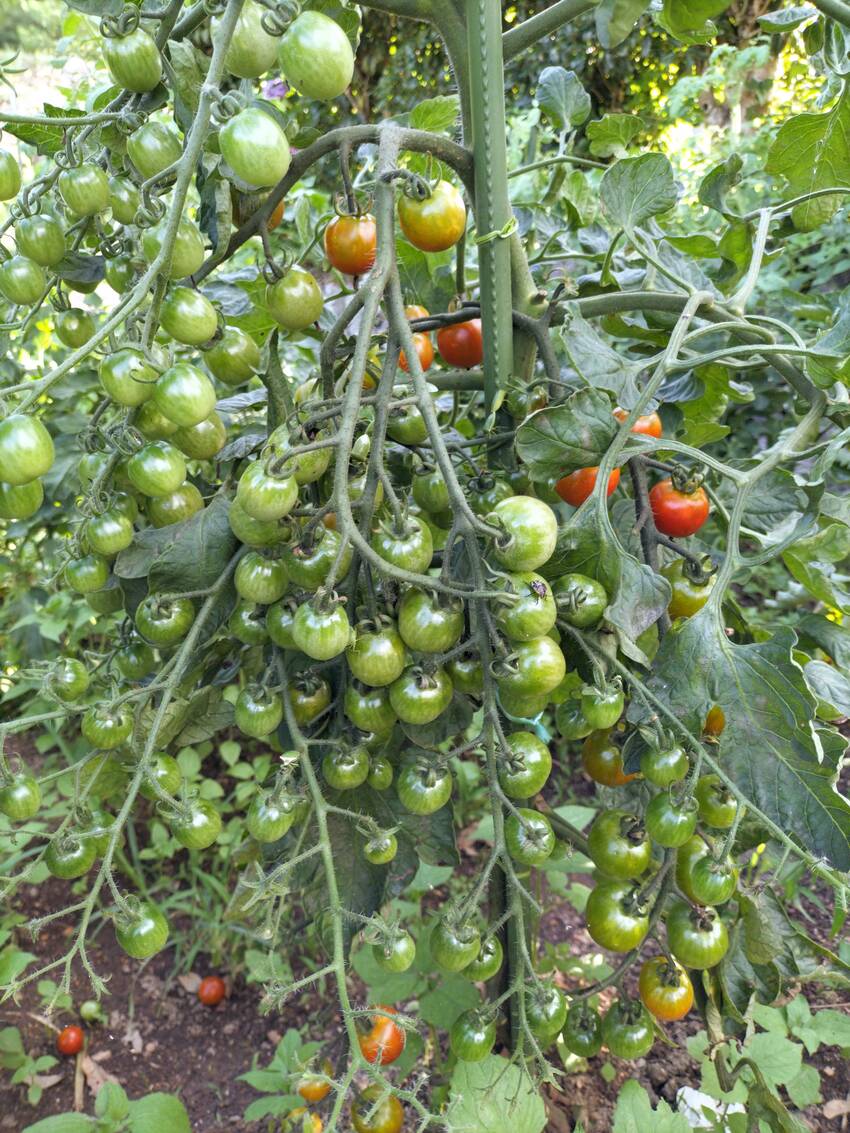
(159, 1037)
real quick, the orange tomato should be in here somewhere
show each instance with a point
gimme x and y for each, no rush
(648, 425)
(575, 488)
(384, 1041)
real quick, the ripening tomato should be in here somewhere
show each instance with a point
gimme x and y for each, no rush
(462, 344)
(384, 1041)
(697, 937)
(648, 425)
(578, 486)
(436, 222)
(314, 1086)
(678, 513)
(424, 351)
(603, 761)
(665, 989)
(351, 243)
(388, 1117)
(715, 721)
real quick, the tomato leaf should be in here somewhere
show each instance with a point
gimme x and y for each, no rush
(562, 98)
(611, 135)
(493, 1096)
(616, 18)
(597, 362)
(575, 434)
(814, 562)
(637, 188)
(769, 746)
(634, 1113)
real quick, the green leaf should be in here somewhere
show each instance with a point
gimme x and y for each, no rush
(97, 7)
(271, 1107)
(111, 1102)
(156, 1112)
(198, 552)
(718, 182)
(597, 362)
(764, 934)
(616, 18)
(637, 188)
(387, 987)
(829, 685)
(555, 441)
(778, 1058)
(562, 98)
(690, 20)
(361, 884)
(769, 746)
(437, 115)
(634, 1113)
(815, 563)
(742, 981)
(217, 714)
(12, 962)
(787, 19)
(47, 140)
(611, 135)
(832, 1027)
(804, 1087)
(812, 151)
(62, 1123)
(449, 998)
(189, 67)
(493, 1096)
(78, 268)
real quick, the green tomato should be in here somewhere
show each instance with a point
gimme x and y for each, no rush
(87, 574)
(164, 773)
(454, 946)
(531, 611)
(260, 579)
(525, 767)
(669, 823)
(157, 469)
(423, 788)
(717, 805)
(279, 619)
(369, 709)
(10, 176)
(571, 722)
(530, 531)
(618, 845)
(70, 856)
(296, 300)
(309, 696)
(176, 507)
(381, 849)
(419, 697)
(106, 728)
(187, 253)
(184, 394)
(153, 148)
(40, 238)
(395, 954)
(252, 50)
(346, 768)
(109, 532)
(202, 441)
(713, 882)
(164, 621)
(381, 774)
(616, 918)
(627, 1029)
(234, 357)
(247, 623)
(321, 629)
(529, 837)
(20, 797)
(411, 548)
(270, 816)
(696, 937)
(189, 317)
(545, 1014)
(135, 660)
(582, 1031)
(256, 532)
(257, 712)
(255, 147)
(487, 962)
(22, 281)
(133, 60)
(84, 189)
(74, 327)
(472, 1036)
(581, 600)
(662, 766)
(143, 931)
(267, 496)
(534, 668)
(316, 56)
(429, 622)
(21, 501)
(127, 376)
(197, 825)
(603, 706)
(377, 655)
(308, 566)
(124, 200)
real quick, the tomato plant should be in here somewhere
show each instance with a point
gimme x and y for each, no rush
(387, 587)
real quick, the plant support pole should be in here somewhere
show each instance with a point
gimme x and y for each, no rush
(493, 211)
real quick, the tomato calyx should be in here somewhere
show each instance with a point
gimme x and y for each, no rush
(685, 481)
(699, 570)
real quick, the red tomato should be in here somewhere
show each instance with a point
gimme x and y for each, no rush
(461, 345)
(575, 488)
(384, 1042)
(211, 990)
(648, 426)
(350, 243)
(70, 1040)
(414, 311)
(678, 513)
(424, 351)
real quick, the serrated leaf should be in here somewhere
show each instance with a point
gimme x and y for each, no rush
(250, 399)
(637, 188)
(829, 685)
(597, 362)
(718, 182)
(198, 552)
(215, 718)
(493, 1096)
(616, 18)
(47, 140)
(787, 19)
(812, 151)
(562, 98)
(555, 441)
(634, 1113)
(769, 746)
(816, 561)
(241, 447)
(437, 115)
(62, 1123)
(778, 1058)
(78, 268)
(611, 135)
